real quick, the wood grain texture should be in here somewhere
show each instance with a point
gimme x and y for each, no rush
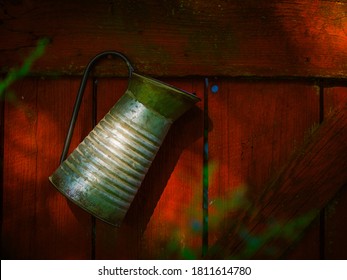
(38, 222)
(308, 182)
(335, 98)
(255, 128)
(65, 229)
(335, 227)
(180, 38)
(309, 244)
(19, 185)
(328, 231)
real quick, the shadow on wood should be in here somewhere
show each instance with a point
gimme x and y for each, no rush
(163, 165)
(308, 182)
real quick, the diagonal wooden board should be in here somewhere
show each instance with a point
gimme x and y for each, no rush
(292, 201)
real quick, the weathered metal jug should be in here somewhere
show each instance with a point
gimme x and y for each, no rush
(103, 174)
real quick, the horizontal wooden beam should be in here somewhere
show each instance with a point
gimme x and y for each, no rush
(180, 38)
(293, 200)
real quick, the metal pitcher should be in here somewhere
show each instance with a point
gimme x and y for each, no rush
(103, 174)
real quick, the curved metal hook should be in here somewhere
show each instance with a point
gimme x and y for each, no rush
(81, 91)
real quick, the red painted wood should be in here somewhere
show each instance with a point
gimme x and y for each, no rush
(255, 128)
(335, 213)
(18, 191)
(38, 222)
(335, 98)
(179, 38)
(60, 220)
(308, 246)
(336, 229)
(308, 182)
(333, 231)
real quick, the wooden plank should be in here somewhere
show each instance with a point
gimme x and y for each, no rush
(2, 130)
(336, 229)
(255, 127)
(335, 213)
(308, 246)
(179, 38)
(331, 231)
(38, 222)
(308, 182)
(170, 196)
(19, 185)
(63, 229)
(335, 98)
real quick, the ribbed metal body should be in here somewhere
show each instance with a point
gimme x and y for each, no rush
(103, 174)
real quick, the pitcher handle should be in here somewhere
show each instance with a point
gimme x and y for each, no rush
(81, 91)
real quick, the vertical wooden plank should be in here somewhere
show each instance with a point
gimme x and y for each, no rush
(335, 227)
(63, 229)
(335, 212)
(334, 98)
(169, 197)
(19, 182)
(2, 128)
(38, 222)
(255, 128)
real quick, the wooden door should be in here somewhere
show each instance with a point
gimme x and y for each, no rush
(255, 170)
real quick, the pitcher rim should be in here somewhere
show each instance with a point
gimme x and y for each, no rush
(181, 91)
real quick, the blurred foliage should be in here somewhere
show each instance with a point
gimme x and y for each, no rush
(236, 208)
(16, 74)
(272, 235)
